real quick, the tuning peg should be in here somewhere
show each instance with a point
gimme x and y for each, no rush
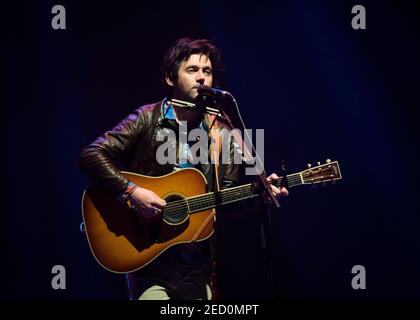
(309, 165)
(319, 163)
(328, 161)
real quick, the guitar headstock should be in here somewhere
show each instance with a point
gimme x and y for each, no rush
(329, 171)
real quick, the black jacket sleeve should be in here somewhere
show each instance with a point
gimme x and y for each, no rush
(97, 160)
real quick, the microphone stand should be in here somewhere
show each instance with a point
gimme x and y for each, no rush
(268, 197)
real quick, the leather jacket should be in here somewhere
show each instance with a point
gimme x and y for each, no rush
(132, 145)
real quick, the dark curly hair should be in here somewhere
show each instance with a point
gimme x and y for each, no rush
(181, 50)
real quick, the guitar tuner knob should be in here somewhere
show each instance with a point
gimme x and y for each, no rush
(319, 163)
(309, 165)
(328, 161)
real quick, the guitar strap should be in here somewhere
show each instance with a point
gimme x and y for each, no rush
(215, 148)
(215, 145)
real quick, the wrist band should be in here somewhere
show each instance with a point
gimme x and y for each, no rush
(128, 191)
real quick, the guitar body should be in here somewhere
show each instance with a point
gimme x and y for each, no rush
(117, 238)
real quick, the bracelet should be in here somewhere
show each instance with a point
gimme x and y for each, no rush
(128, 191)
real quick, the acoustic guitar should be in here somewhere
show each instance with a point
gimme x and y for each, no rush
(121, 243)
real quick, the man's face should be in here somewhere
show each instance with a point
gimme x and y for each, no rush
(192, 72)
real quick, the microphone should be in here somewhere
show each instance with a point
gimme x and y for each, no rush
(208, 91)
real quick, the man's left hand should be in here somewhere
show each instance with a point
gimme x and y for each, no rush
(277, 192)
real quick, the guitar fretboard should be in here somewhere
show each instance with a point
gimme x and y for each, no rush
(293, 180)
(211, 200)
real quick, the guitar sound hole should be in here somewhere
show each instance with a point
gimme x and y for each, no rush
(176, 209)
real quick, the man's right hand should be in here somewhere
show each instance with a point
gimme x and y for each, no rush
(147, 203)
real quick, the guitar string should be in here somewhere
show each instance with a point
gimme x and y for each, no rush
(208, 199)
(207, 203)
(227, 195)
(293, 178)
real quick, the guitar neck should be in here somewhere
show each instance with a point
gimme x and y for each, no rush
(235, 194)
(328, 172)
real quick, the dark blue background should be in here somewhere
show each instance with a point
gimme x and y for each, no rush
(319, 89)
